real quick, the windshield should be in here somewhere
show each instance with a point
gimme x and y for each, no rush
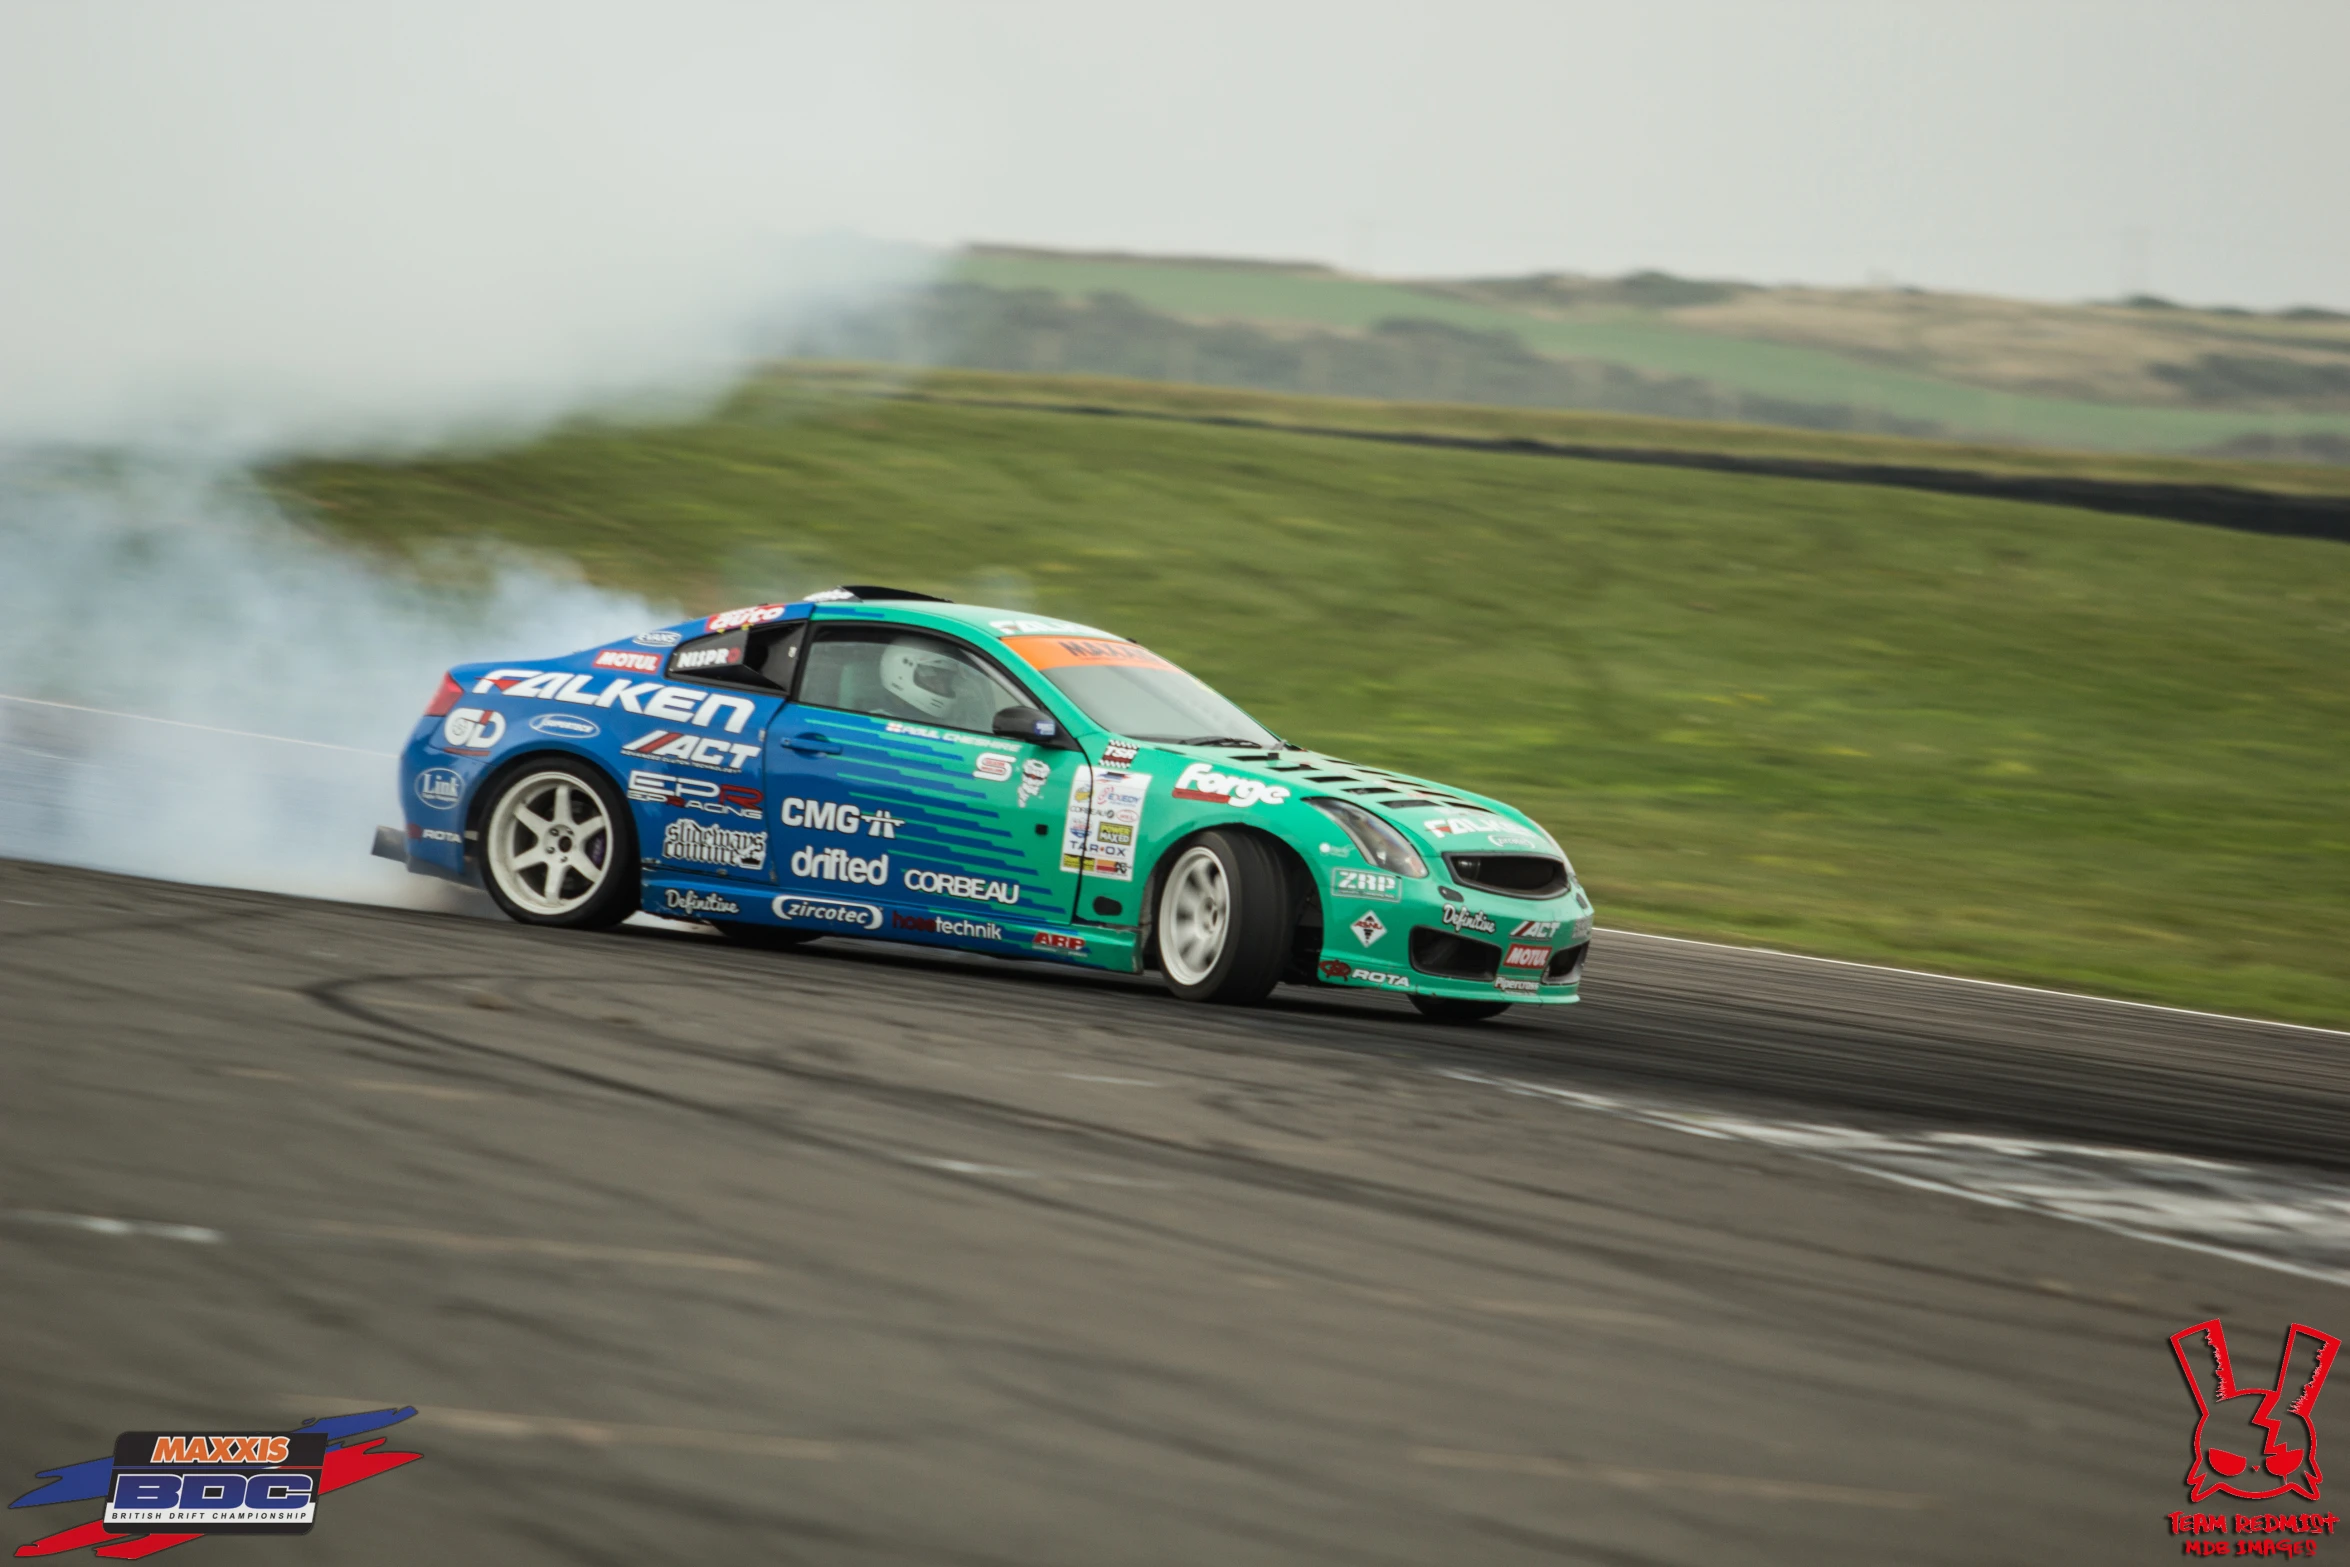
(1131, 691)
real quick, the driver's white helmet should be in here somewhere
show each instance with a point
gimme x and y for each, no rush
(919, 675)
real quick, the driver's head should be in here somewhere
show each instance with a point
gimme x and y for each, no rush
(920, 676)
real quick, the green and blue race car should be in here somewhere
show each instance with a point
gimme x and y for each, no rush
(886, 765)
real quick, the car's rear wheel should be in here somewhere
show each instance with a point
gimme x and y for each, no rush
(557, 847)
(1446, 1009)
(1223, 920)
(768, 937)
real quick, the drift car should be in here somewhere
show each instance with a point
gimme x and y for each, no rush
(889, 766)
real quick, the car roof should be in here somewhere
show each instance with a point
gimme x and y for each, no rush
(977, 620)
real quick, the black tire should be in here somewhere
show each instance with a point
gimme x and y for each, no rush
(1252, 942)
(607, 847)
(1444, 1009)
(768, 938)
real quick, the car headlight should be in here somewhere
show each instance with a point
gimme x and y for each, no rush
(1381, 844)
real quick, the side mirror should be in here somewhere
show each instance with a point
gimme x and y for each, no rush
(1034, 725)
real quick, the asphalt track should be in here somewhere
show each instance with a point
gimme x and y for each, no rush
(860, 1255)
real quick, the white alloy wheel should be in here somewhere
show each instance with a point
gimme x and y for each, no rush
(549, 843)
(1194, 913)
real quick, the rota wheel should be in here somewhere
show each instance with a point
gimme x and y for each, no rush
(1224, 919)
(557, 847)
(1444, 1009)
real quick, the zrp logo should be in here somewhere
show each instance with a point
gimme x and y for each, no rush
(2254, 1442)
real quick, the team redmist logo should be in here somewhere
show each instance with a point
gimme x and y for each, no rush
(165, 1488)
(2254, 1442)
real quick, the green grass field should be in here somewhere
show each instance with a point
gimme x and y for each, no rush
(1648, 342)
(1997, 739)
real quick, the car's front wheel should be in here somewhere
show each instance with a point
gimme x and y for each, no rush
(557, 847)
(1224, 918)
(1445, 1009)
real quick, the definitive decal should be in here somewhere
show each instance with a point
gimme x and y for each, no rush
(671, 745)
(699, 902)
(695, 794)
(838, 864)
(472, 731)
(978, 889)
(1348, 883)
(994, 766)
(1368, 928)
(1468, 919)
(1372, 976)
(1103, 823)
(645, 698)
(1054, 941)
(827, 911)
(565, 724)
(757, 615)
(439, 787)
(704, 658)
(1525, 955)
(1034, 775)
(837, 816)
(619, 658)
(1201, 781)
(705, 845)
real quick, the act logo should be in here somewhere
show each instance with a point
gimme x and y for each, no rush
(165, 1488)
(2254, 1442)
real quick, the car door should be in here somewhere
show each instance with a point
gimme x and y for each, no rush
(893, 801)
(700, 793)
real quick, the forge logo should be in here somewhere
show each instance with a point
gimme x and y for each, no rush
(2254, 1442)
(165, 1488)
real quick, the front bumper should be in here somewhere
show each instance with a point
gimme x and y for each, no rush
(1460, 951)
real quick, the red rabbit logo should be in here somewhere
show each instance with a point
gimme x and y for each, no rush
(2245, 1445)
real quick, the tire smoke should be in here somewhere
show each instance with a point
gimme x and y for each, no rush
(255, 231)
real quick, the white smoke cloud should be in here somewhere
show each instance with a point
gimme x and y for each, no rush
(239, 232)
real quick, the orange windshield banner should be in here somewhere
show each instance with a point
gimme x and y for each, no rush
(1058, 652)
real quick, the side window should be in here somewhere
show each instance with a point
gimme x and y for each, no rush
(762, 657)
(911, 676)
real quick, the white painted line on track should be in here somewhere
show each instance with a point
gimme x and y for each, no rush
(2287, 1221)
(181, 723)
(147, 1229)
(1961, 979)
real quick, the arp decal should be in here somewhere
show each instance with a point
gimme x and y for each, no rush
(1201, 781)
(700, 844)
(1377, 885)
(1055, 941)
(164, 1488)
(671, 745)
(473, 731)
(695, 794)
(828, 912)
(621, 658)
(841, 816)
(645, 698)
(440, 788)
(567, 726)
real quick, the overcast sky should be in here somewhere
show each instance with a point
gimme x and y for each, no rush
(2057, 149)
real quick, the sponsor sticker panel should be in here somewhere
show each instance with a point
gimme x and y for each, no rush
(827, 913)
(439, 788)
(624, 658)
(1201, 781)
(698, 843)
(679, 900)
(691, 705)
(1347, 882)
(472, 731)
(695, 794)
(690, 750)
(1103, 823)
(565, 725)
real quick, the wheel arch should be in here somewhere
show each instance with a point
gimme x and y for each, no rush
(1306, 897)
